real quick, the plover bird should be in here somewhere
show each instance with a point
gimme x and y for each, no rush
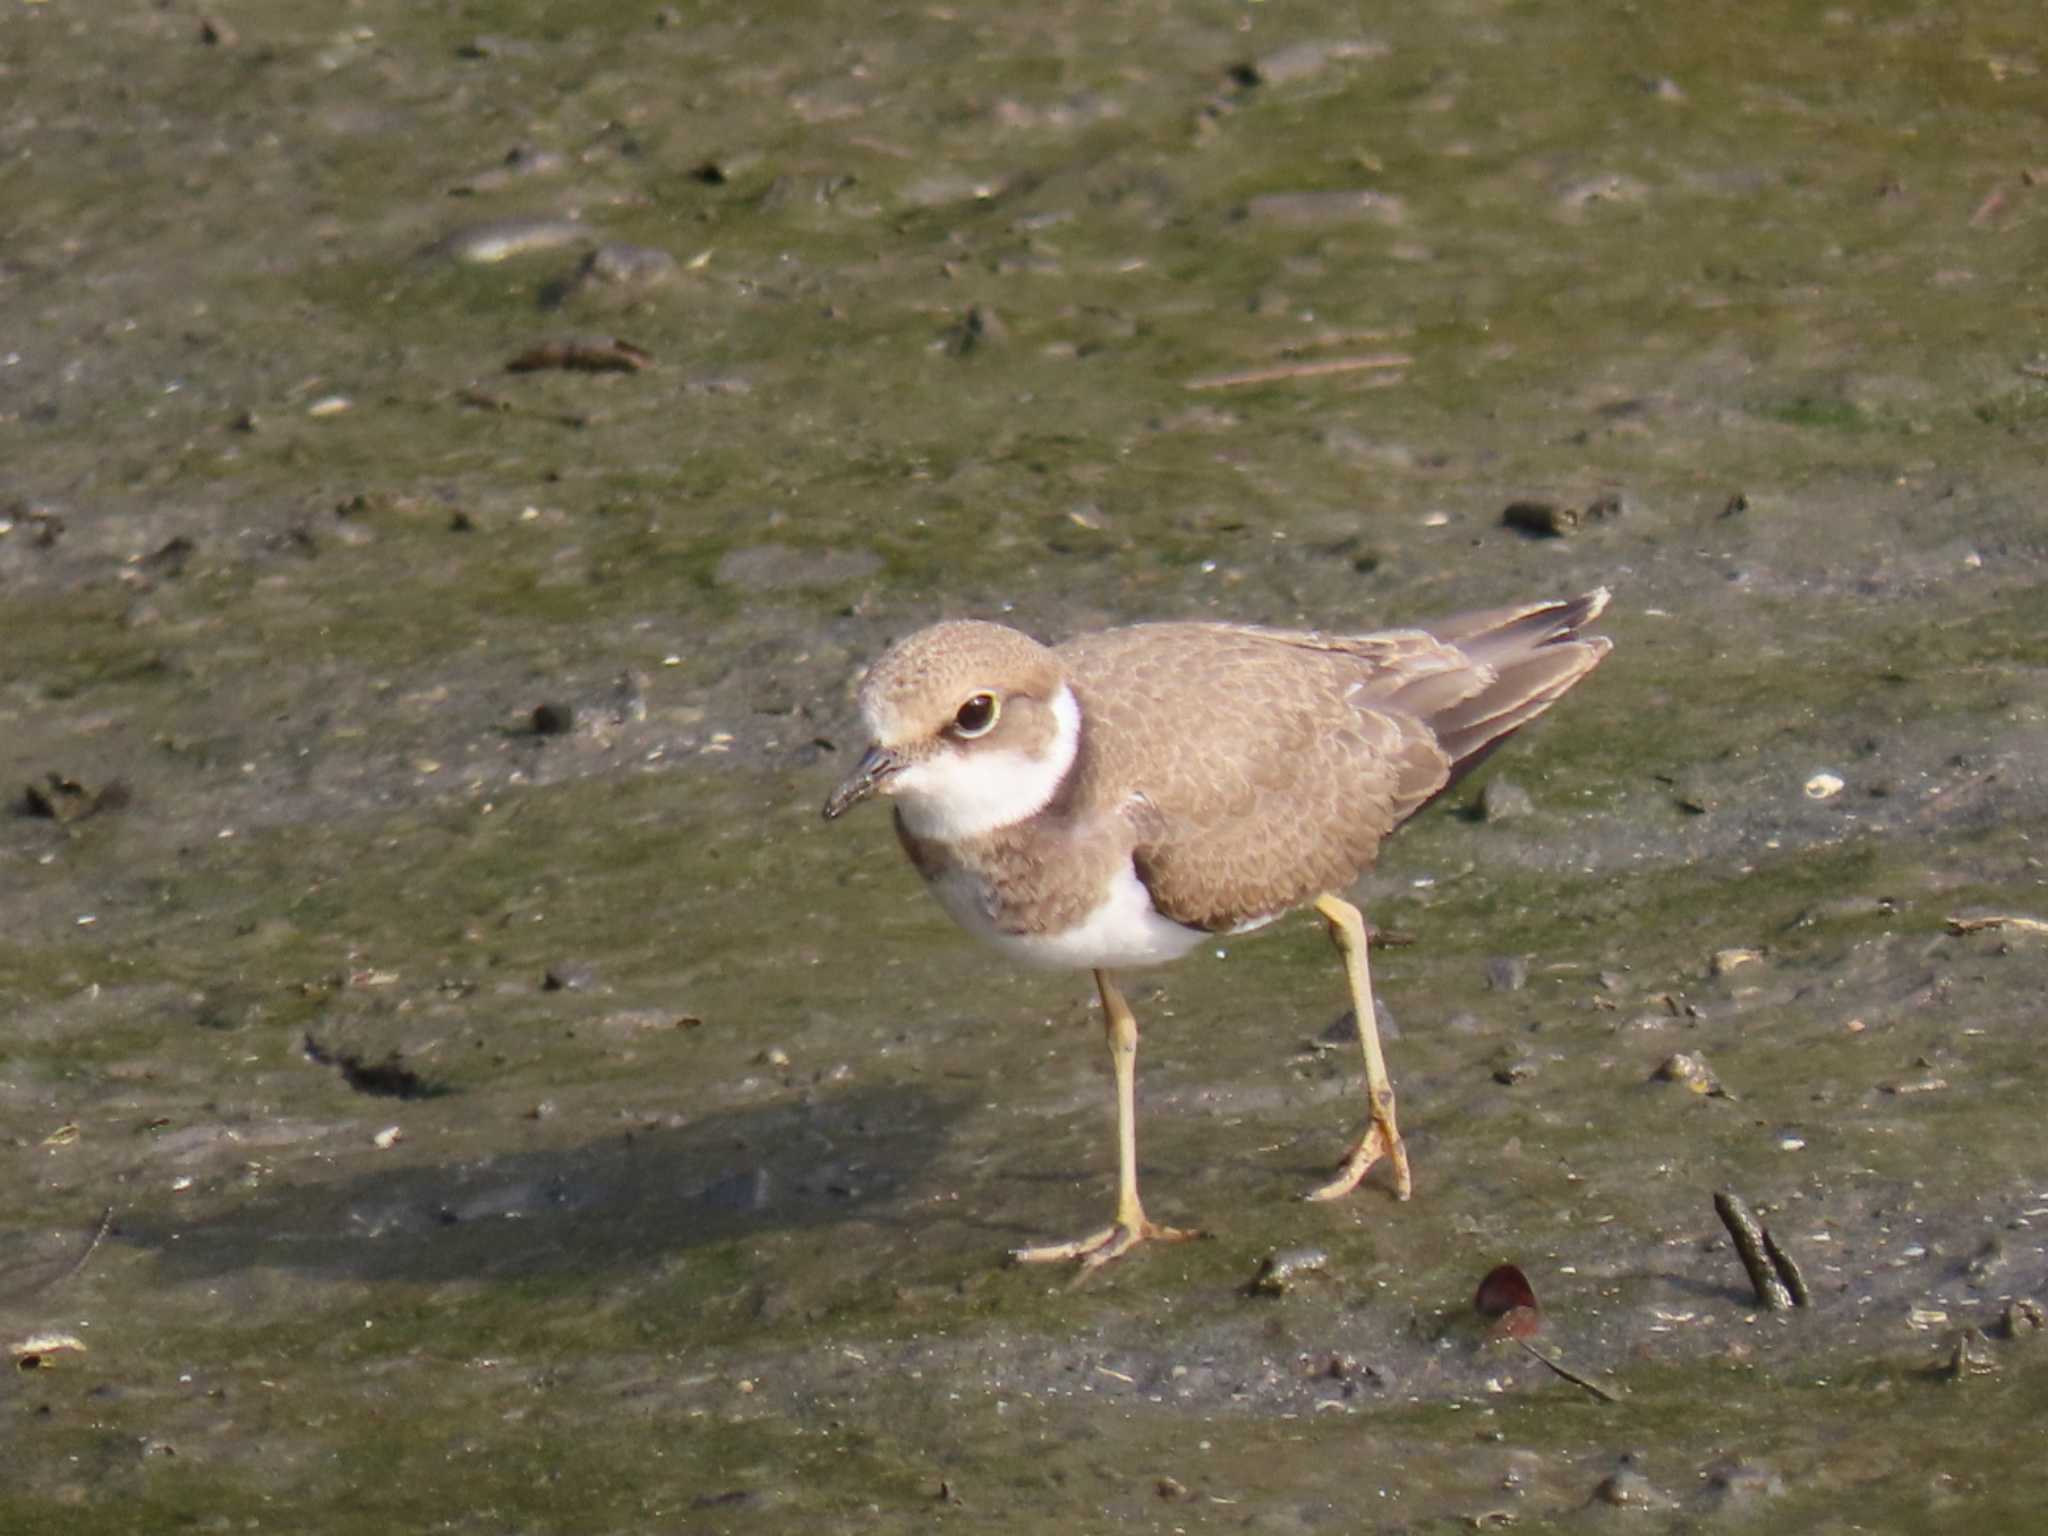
(1118, 799)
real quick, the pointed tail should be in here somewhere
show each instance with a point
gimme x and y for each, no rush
(1536, 654)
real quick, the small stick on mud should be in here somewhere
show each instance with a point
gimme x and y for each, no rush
(1779, 1285)
(1568, 1373)
(69, 1271)
(1302, 370)
(99, 1235)
(1781, 1261)
(1989, 209)
(1962, 925)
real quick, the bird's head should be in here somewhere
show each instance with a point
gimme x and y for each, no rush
(971, 726)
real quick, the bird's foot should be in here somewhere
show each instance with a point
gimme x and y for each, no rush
(1380, 1140)
(1097, 1249)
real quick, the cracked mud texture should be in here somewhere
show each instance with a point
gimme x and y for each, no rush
(694, 1220)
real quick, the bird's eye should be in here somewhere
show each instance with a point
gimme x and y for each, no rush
(977, 717)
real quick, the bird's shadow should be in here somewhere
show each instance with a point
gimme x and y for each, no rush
(635, 1198)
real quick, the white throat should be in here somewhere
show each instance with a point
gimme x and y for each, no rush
(953, 795)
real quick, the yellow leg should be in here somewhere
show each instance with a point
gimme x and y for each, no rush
(1382, 1138)
(1131, 1226)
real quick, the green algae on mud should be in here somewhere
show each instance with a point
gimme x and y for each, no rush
(624, 1271)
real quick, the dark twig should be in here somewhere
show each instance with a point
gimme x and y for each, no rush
(1779, 1285)
(99, 1235)
(1781, 1261)
(1568, 1373)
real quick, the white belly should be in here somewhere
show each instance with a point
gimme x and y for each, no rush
(1125, 930)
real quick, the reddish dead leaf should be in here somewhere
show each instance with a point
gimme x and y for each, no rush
(1506, 1296)
(1518, 1323)
(1505, 1289)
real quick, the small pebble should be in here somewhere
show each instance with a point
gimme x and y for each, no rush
(1279, 1270)
(1823, 786)
(2023, 1318)
(627, 266)
(1913, 1085)
(553, 719)
(62, 798)
(1691, 1070)
(1726, 960)
(1553, 520)
(1541, 519)
(1304, 61)
(568, 976)
(980, 326)
(1627, 1489)
(1513, 1065)
(1971, 1356)
(501, 239)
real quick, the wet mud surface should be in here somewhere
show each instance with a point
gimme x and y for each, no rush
(453, 461)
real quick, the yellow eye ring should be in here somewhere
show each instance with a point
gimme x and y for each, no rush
(977, 716)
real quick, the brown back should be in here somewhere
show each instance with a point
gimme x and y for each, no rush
(1312, 747)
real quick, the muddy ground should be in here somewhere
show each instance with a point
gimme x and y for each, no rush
(428, 1115)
